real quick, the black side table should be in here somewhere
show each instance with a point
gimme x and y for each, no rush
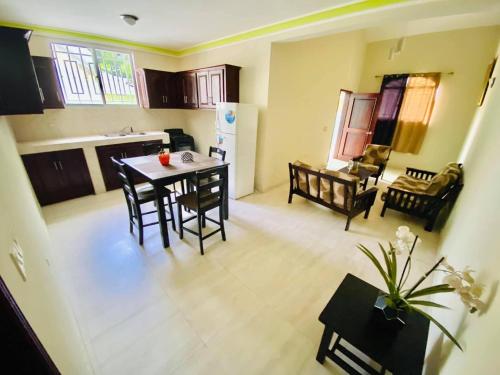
(351, 315)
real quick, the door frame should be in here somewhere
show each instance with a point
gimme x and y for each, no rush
(371, 128)
(25, 337)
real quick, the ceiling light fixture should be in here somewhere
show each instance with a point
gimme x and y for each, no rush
(129, 19)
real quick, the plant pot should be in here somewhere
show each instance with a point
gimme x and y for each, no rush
(391, 314)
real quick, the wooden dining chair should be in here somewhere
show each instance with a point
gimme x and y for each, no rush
(216, 152)
(213, 152)
(135, 197)
(209, 194)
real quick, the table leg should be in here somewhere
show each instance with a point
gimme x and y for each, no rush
(365, 183)
(226, 190)
(324, 346)
(162, 219)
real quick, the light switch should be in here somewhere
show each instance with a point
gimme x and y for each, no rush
(17, 255)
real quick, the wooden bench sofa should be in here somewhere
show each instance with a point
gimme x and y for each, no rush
(335, 190)
(423, 193)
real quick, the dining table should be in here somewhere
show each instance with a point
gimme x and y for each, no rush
(177, 170)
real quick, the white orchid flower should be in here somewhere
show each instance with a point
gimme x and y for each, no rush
(477, 290)
(454, 281)
(404, 240)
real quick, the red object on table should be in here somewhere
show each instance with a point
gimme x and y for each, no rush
(164, 158)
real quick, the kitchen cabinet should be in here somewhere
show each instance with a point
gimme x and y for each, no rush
(119, 151)
(46, 74)
(217, 84)
(198, 88)
(19, 91)
(188, 91)
(58, 176)
(157, 89)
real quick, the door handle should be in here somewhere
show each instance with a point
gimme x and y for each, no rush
(55, 165)
(61, 165)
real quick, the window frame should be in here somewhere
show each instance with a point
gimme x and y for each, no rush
(92, 47)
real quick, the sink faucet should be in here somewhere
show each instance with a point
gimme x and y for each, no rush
(129, 131)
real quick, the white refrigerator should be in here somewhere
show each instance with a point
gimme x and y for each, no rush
(236, 133)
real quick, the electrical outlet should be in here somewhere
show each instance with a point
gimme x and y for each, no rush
(17, 255)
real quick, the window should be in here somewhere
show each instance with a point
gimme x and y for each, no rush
(94, 76)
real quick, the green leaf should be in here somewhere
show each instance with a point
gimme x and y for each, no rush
(377, 264)
(426, 303)
(387, 262)
(439, 325)
(394, 263)
(441, 288)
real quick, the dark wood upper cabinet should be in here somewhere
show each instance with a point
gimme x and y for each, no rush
(157, 89)
(19, 91)
(188, 90)
(218, 84)
(119, 151)
(58, 176)
(199, 88)
(46, 74)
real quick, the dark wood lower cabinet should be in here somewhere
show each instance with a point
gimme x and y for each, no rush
(119, 151)
(58, 176)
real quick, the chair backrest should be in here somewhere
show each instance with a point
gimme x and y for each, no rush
(182, 143)
(332, 188)
(376, 154)
(217, 153)
(153, 148)
(210, 187)
(127, 180)
(174, 132)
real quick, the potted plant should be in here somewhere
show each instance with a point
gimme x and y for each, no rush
(400, 300)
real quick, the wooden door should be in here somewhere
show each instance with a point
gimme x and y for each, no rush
(104, 154)
(75, 174)
(22, 350)
(58, 176)
(358, 126)
(119, 151)
(203, 88)
(188, 88)
(49, 84)
(43, 173)
(217, 86)
(19, 91)
(170, 89)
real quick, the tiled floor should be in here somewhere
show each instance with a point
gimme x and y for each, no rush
(249, 306)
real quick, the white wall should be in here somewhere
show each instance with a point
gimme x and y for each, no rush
(78, 120)
(40, 297)
(465, 52)
(471, 238)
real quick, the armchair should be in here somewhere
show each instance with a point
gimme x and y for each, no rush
(375, 159)
(424, 193)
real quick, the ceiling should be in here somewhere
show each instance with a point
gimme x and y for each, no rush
(173, 24)
(181, 27)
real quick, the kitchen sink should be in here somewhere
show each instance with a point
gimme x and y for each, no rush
(123, 134)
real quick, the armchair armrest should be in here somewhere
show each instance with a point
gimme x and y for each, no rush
(420, 173)
(371, 191)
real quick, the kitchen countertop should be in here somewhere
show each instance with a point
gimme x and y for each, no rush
(57, 144)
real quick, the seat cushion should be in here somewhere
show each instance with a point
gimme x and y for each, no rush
(313, 180)
(376, 154)
(146, 193)
(410, 184)
(189, 200)
(339, 189)
(371, 167)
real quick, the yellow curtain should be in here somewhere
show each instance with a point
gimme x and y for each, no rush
(415, 113)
